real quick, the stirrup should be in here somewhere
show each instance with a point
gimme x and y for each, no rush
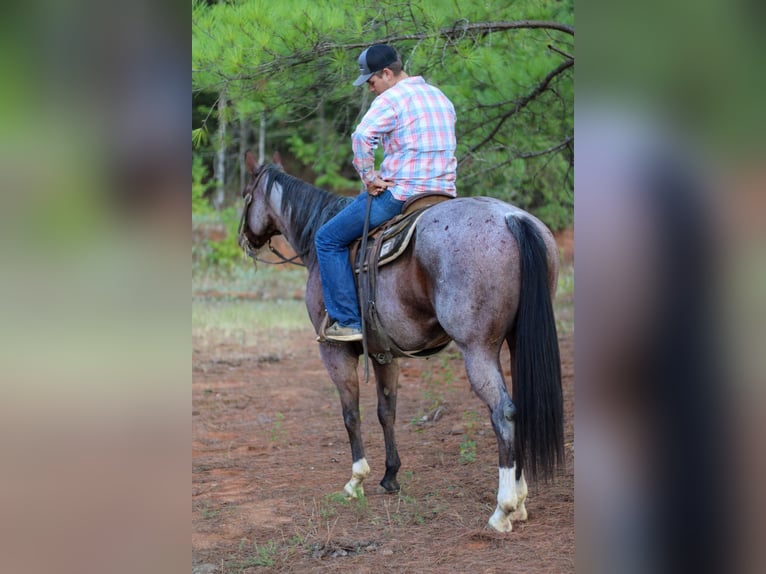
(322, 326)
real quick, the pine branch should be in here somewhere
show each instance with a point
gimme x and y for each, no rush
(557, 147)
(458, 31)
(518, 155)
(562, 52)
(520, 105)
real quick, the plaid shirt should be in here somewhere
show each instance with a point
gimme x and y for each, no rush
(415, 122)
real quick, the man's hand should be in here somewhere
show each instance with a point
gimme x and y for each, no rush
(378, 185)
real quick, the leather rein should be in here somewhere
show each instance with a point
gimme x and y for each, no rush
(243, 240)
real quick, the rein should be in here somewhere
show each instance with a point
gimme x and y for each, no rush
(366, 297)
(282, 258)
(244, 242)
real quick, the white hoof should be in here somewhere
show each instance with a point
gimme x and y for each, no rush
(520, 514)
(359, 472)
(500, 521)
(353, 489)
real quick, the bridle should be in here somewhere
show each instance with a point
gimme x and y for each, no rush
(244, 241)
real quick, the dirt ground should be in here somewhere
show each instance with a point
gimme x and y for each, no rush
(270, 457)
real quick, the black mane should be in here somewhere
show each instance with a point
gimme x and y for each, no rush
(305, 207)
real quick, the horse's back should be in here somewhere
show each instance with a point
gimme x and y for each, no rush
(473, 232)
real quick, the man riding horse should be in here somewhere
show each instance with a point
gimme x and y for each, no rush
(479, 272)
(415, 123)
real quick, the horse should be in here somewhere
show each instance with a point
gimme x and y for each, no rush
(479, 272)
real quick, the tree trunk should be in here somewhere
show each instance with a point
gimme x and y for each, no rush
(220, 159)
(262, 139)
(244, 137)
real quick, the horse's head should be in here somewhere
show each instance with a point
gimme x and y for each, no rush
(257, 224)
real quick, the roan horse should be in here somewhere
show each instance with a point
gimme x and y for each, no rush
(478, 272)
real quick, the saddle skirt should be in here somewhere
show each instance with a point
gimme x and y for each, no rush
(388, 241)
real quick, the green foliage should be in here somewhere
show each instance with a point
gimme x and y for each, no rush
(224, 254)
(265, 555)
(200, 205)
(207, 513)
(199, 137)
(467, 451)
(308, 152)
(333, 501)
(294, 62)
(408, 510)
(277, 434)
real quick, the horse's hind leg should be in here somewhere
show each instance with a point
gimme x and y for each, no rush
(387, 377)
(520, 514)
(483, 371)
(342, 365)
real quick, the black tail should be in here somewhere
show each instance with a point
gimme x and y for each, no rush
(536, 366)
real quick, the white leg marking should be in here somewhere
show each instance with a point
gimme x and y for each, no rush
(507, 500)
(521, 488)
(359, 471)
(507, 497)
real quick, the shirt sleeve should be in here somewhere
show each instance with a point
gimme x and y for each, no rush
(379, 119)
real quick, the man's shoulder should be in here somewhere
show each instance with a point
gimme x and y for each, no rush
(411, 85)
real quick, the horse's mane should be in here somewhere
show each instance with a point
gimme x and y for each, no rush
(305, 206)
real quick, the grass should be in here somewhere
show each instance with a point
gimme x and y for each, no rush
(266, 281)
(468, 444)
(408, 510)
(277, 434)
(237, 314)
(264, 555)
(207, 513)
(228, 306)
(333, 503)
(234, 320)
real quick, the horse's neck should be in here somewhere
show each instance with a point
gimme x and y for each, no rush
(281, 219)
(303, 205)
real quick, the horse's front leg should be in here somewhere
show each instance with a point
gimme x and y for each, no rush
(341, 364)
(387, 377)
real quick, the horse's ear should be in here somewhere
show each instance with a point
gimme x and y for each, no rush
(277, 159)
(250, 162)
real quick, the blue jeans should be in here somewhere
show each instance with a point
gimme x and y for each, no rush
(332, 241)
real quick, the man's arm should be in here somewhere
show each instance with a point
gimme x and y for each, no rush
(380, 119)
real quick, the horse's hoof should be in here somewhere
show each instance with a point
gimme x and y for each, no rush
(390, 487)
(380, 489)
(500, 521)
(353, 492)
(520, 514)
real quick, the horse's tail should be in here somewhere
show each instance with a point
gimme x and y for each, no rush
(532, 339)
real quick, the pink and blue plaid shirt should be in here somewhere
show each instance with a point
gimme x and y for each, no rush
(415, 123)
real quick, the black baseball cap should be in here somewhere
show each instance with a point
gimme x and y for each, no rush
(374, 59)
